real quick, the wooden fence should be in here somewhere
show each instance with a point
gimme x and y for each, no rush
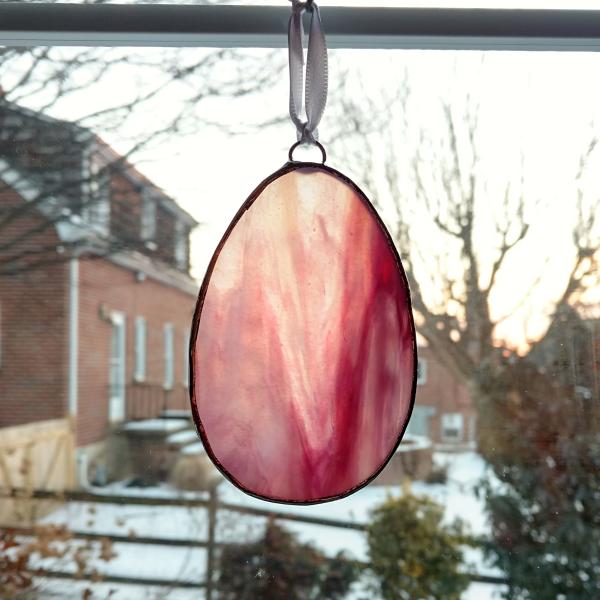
(36, 456)
(211, 504)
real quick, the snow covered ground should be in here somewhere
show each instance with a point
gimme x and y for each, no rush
(187, 564)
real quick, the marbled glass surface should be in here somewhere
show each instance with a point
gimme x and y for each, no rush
(303, 354)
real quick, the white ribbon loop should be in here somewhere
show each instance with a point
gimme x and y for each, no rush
(316, 71)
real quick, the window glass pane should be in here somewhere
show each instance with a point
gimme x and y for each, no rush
(117, 368)
(181, 245)
(96, 202)
(148, 218)
(168, 332)
(140, 348)
(420, 419)
(452, 427)
(484, 166)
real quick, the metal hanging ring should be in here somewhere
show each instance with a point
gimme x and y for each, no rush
(314, 143)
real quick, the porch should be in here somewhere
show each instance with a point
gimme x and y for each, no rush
(150, 401)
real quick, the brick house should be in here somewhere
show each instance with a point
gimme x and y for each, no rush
(96, 298)
(570, 350)
(443, 409)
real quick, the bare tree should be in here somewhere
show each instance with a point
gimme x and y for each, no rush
(459, 234)
(44, 78)
(453, 231)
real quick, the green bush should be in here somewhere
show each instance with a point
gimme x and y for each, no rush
(539, 434)
(413, 555)
(279, 567)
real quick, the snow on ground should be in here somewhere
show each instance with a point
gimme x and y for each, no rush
(182, 437)
(197, 448)
(173, 522)
(141, 560)
(156, 425)
(457, 496)
(57, 589)
(482, 591)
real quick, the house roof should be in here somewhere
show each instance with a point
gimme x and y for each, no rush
(139, 179)
(80, 139)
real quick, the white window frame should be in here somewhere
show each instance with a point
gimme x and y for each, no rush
(453, 421)
(140, 340)
(39, 24)
(186, 357)
(168, 355)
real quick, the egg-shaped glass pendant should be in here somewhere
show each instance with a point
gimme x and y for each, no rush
(303, 351)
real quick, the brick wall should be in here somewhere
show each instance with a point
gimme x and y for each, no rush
(443, 394)
(33, 320)
(105, 288)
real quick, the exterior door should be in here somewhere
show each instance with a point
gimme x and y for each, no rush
(116, 406)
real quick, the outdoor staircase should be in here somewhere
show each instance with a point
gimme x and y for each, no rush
(155, 444)
(185, 441)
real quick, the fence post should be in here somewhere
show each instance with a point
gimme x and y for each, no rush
(210, 548)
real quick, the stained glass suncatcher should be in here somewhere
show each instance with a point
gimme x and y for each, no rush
(303, 350)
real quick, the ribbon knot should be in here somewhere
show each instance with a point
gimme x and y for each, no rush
(302, 5)
(315, 90)
(307, 136)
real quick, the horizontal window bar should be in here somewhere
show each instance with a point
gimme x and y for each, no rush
(29, 24)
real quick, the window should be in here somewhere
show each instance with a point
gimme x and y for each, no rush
(117, 372)
(452, 427)
(181, 250)
(96, 192)
(148, 217)
(168, 356)
(419, 420)
(140, 349)
(526, 119)
(421, 371)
